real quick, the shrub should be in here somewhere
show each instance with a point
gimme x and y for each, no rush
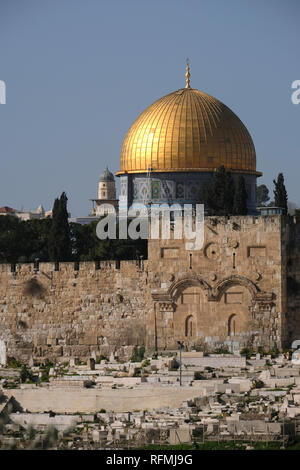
(101, 358)
(221, 350)
(146, 363)
(26, 375)
(258, 384)
(137, 372)
(45, 376)
(198, 376)
(247, 352)
(142, 351)
(45, 368)
(13, 363)
(138, 356)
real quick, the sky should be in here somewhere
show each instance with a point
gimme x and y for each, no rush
(79, 72)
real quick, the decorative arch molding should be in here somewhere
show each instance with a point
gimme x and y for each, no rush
(234, 280)
(186, 280)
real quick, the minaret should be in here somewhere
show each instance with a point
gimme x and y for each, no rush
(106, 194)
(107, 186)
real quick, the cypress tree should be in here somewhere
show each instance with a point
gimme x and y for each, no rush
(59, 236)
(262, 195)
(240, 197)
(229, 189)
(217, 195)
(280, 193)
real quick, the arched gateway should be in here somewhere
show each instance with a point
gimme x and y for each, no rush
(205, 317)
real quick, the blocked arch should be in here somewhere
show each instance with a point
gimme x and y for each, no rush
(234, 280)
(176, 289)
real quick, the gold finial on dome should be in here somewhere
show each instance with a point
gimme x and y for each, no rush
(187, 74)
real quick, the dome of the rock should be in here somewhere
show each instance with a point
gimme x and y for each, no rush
(187, 130)
(174, 146)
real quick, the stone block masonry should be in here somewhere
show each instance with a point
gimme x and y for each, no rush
(236, 291)
(85, 312)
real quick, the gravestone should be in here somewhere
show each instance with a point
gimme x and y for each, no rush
(3, 357)
(74, 361)
(112, 357)
(91, 363)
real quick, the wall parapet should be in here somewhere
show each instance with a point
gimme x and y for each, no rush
(71, 266)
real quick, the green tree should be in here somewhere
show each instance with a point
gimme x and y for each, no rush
(60, 248)
(87, 246)
(262, 195)
(49, 239)
(82, 241)
(280, 193)
(23, 241)
(217, 195)
(11, 239)
(35, 239)
(240, 197)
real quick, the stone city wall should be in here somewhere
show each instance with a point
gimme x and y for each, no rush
(73, 312)
(232, 292)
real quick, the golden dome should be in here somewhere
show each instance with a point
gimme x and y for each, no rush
(187, 130)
